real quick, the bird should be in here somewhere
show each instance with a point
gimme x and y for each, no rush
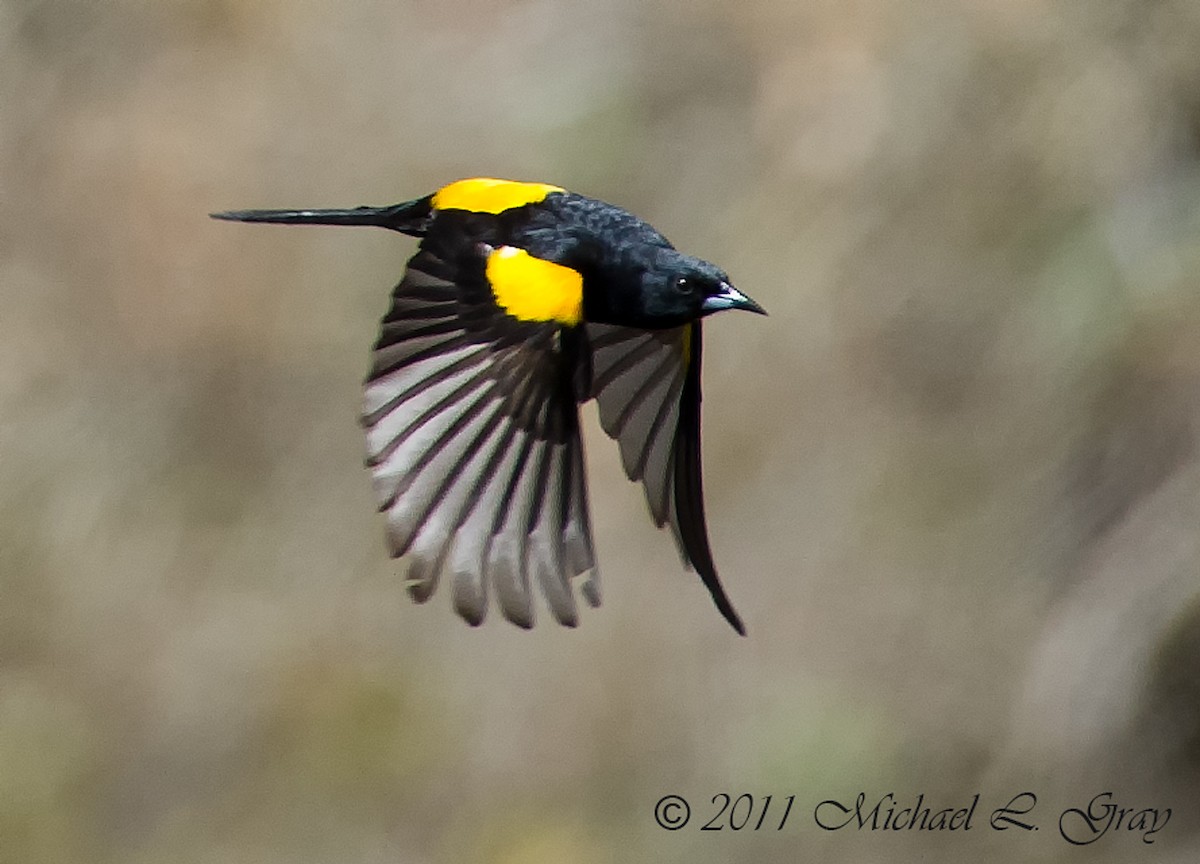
(522, 302)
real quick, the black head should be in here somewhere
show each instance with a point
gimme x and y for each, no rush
(663, 288)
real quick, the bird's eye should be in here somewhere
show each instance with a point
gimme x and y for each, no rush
(685, 286)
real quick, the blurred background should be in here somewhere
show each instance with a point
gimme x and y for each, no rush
(953, 485)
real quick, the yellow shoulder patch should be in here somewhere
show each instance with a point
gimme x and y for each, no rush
(486, 195)
(533, 289)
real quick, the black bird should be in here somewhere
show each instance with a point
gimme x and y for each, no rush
(523, 301)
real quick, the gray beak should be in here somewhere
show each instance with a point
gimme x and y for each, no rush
(729, 298)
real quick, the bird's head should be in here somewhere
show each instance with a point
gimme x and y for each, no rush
(666, 288)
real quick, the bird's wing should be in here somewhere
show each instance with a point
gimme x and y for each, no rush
(473, 443)
(647, 385)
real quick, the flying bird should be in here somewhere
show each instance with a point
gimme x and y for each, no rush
(522, 302)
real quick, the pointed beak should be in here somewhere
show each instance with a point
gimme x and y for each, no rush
(729, 298)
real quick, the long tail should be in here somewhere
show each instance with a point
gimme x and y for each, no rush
(410, 217)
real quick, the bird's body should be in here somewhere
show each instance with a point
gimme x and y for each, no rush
(523, 301)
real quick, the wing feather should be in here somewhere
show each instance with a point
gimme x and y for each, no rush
(473, 443)
(647, 386)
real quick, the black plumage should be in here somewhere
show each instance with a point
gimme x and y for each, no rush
(522, 302)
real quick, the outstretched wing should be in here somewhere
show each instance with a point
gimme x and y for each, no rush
(473, 442)
(647, 385)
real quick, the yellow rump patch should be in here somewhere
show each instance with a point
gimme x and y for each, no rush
(533, 289)
(486, 195)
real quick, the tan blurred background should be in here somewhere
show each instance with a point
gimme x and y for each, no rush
(952, 480)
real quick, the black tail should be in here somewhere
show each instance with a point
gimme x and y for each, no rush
(411, 217)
